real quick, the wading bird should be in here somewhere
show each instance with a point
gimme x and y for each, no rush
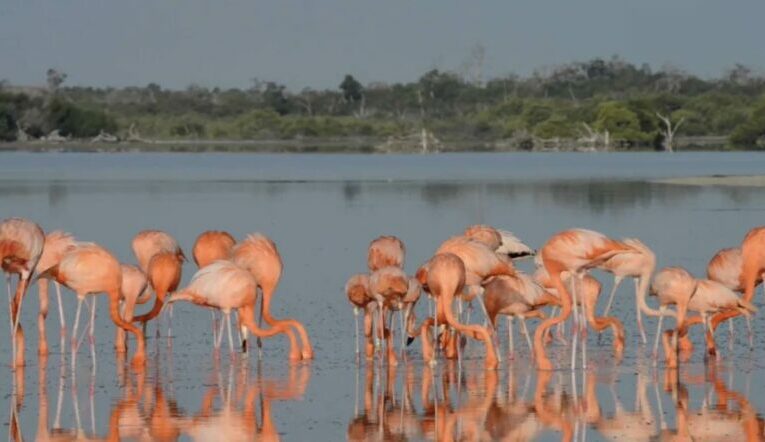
(161, 259)
(637, 263)
(21, 245)
(385, 251)
(211, 246)
(89, 269)
(445, 276)
(574, 251)
(388, 286)
(674, 285)
(753, 267)
(501, 241)
(516, 296)
(134, 292)
(357, 291)
(258, 254)
(726, 267)
(57, 244)
(226, 286)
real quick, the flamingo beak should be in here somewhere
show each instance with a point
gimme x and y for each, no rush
(409, 340)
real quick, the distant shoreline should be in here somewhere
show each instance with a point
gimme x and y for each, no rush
(360, 145)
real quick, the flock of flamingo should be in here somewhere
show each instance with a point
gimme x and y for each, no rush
(230, 275)
(474, 266)
(478, 265)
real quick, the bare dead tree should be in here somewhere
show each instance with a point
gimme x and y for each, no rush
(593, 137)
(305, 98)
(669, 130)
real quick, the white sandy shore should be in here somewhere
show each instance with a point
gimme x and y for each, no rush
(718, 180)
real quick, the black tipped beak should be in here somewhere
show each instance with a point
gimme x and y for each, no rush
(244, 345)
(409, 341)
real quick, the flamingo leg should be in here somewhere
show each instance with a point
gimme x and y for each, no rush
(432, 362)
(617, 281)
(749, 332)
(91, 331)
(21, 288)
(479, 297)
(403, 331)
(582, 326)
(574, 324)
(655, 354)
(639, 313)
(525, 331)
(705, 324)
(712, 333)
(74, 331)
(510, 343)
(356, 330)
(230, 337)
(219, 339)
(214, 325)
(381, 318)
(60, 309)
(170, 321)
(10, 313)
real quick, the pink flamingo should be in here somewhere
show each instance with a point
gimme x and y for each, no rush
(90, 269)
(674, 285)
(211, 246)
(161, 259)
(638, 263)
(574, 251)
(226, 286)
(501, 241)
(21, 245)
(519, 296)
(444, 276)
(258, 254)
(726, 267)
(57, 244)
(134, 292)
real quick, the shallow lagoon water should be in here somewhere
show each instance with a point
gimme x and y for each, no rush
(322, 210)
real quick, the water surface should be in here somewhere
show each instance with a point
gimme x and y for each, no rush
(322, 211)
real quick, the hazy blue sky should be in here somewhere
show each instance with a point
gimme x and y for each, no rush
(313, 43)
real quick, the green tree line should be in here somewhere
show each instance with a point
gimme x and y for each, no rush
(567, 101)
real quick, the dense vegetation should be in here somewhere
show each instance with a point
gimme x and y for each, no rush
(596, 101)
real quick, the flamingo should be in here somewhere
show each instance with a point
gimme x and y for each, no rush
(211, 246)
(21, 245)
(445, 277)
(357, 291)
(753, 267)
(501, 241)
(90, 269)
(388, 251)
(259, 255)
(674, 285)
(161, 259)
(481, 262)
(726, 267)
(519, 296)
(226, 286)
(57, 244)
(385, 251)
(638, 263)
(134, 292)
(574, 251)
(388, 286)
